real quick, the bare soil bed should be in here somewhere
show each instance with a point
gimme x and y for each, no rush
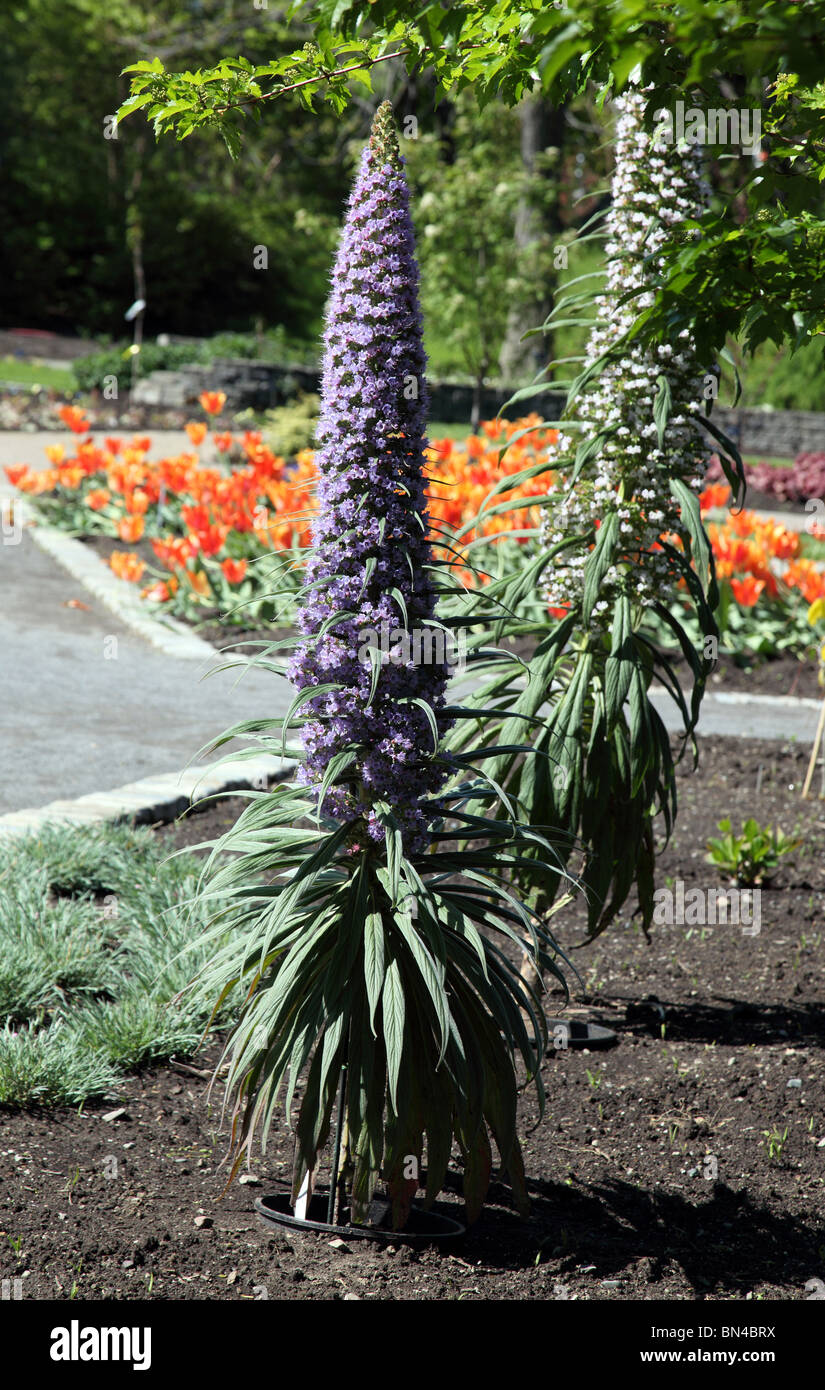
(783, 675)
(650, 1174)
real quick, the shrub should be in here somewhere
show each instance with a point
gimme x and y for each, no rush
(291, 428)
(799, 481)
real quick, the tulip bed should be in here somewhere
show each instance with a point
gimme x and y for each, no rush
(230, 537)
(227, 537)
(772, 594)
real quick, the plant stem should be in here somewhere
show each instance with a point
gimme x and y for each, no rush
(333, 1180)
(820, 729)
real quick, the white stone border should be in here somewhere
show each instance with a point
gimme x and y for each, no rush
(161, 798)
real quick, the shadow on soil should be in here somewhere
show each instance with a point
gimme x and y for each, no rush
(735, 1022)
(726, 1244)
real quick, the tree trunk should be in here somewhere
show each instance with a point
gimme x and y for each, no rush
(475, 414)
(542, 126)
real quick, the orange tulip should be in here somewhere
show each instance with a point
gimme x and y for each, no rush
(198, 581)
(127, 565)
(173, 553)
(74, 418)
(492, 428)
(747, 591)
(233, 570)
(137, 502)
(70, 477)
(714, 495)
(89, 457)
(160, 592)
(36, 483)
(15, 471)
(55, 453)
(98, 498)
(804, 576)
(223, 441)
(196, 431)
(130, 528)
(213, 402)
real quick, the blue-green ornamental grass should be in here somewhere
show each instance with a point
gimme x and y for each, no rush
(94, 937)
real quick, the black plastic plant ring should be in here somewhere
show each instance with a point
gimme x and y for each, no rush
(422, 1228)
(579, 1035)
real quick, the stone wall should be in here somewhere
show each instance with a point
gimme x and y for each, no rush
(264, 385)
(773, 433)
(247, 384)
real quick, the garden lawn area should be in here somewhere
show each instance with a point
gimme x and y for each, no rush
(33, 374)
(93, 922)
(441, 429)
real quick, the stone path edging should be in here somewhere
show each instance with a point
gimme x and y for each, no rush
(160, 798)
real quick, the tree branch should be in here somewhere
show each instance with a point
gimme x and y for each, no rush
(324, 75)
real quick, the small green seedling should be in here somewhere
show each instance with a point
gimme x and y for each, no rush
(775, 1142)
(752, 857)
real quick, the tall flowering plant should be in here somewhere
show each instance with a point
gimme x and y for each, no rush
(372, 569)
(647, 456)
(364, 918)
(621, 534)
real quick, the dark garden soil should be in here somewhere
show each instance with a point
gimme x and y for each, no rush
(104, 546)
(783, 675)
(650, 1174)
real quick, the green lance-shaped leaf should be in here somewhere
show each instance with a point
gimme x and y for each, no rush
(730, 458)
(430, 973)
(662, 407)
(374, 969)
(618, 666)
(376, 663)
(700, 545)
(598, 563)
(392, 1010)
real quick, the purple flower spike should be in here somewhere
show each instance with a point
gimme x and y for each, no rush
(370, 551)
